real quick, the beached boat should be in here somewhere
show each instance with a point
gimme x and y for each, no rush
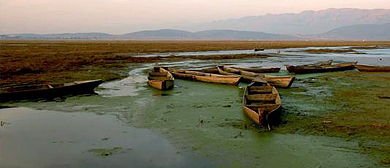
(369, 68)
(261, 101)
(48, 91)
(221, 71)
(260, 70)
(278, 81)
(160, 78)
(209, 70)
(291, 68)
(258, 49)
(205, 77)
(325, 68)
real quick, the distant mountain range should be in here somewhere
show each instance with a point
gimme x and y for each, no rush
(363, 31)
(306, 22)
(350, 24)
(163, 34)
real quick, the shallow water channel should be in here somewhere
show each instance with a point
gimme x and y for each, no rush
(128, 124)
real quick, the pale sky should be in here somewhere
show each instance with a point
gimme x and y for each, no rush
(124, 16)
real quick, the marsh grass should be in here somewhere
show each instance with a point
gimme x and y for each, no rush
(53, 61)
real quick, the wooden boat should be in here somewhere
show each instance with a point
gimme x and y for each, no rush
(48, 91)
(258, 49)
(261, 101)
(220, 71)
(325, 68)
(291, 68)
(260, 70)
(369, 68)
(278, 81)
(160, 78)
(209, 70)
(205, 77)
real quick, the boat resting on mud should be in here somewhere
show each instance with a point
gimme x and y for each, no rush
(325, 68)
(260, 70)
(261, 101)
(369, 68)
(291, 68)
(161, 79)
(48, 91)
(205, 77)
(277, 81)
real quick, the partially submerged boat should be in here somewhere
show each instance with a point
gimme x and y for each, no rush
(160, 78)
(325, 68)
(278, 81)
(48, 91)
(261, 101)
(205, 77)
(291, 68)
(370, 68)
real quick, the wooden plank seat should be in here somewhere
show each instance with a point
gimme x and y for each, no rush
(261, 97)
(260, 89)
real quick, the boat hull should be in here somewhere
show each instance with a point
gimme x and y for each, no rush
(332, 68)
(52, 91)
(278, 81)
(262, 114)
(206, 77)
(261, 70)
(368, 68)
(161, 79)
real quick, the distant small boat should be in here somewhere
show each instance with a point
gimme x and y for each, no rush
(369, 68)
(205, 77)
(291, 68)
(260, 101)
(278, 81)
(325, 68)
(258, 49)
(160, 78)
(260, 70)
(48, 91)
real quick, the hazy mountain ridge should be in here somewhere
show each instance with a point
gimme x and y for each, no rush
(162, 34)
(360, 32)
(330, 24)
(306, 22)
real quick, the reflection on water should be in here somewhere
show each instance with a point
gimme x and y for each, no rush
(37, 139)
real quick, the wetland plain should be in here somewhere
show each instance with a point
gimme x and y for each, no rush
(335, 119)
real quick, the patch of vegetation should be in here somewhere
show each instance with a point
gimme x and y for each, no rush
(105, 152)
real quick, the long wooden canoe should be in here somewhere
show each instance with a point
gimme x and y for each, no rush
(160, 78)
(291, 68)
(260, 101)
(260, 70)
(369, 68)
(278, 81)
(325, 68)
(48, 91)
(205, 77)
